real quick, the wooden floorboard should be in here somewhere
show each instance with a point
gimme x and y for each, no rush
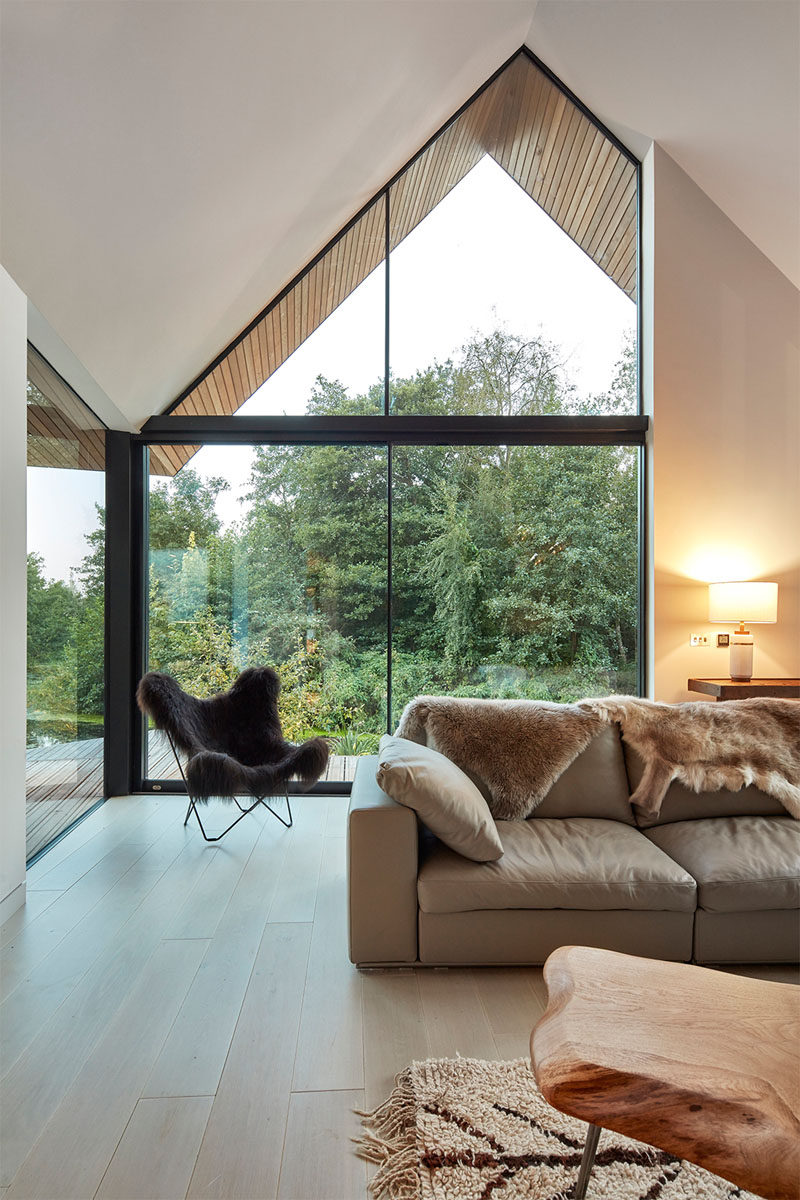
(192, 1059)
(62, 783)
(329, 1052)
(395, 1031)
(158, 1149)
(181, 1019)
(77, 1144)
(318, 1157)
(92, 827)
(242, 1149)
(66, 779)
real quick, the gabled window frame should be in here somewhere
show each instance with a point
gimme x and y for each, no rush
(127, 458)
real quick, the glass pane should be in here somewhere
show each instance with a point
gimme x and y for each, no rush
(496, 312)
(66, 596)
(275, 555)
(514, 571)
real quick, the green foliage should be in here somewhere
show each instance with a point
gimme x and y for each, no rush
(301, 703)
(513, 567)
(356, 743)
(92, 569)
(52, 610)
(65, 645)
(197, 652)
(182, 506)
(52, 697)
(501, 375)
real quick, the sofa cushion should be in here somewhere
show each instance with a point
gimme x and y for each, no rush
(682, 804)
(569, 863)
(741, 864)
(594, 785)
(441, 795)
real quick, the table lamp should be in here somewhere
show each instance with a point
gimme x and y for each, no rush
(737, 603)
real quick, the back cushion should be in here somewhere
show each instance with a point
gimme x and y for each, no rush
(595, 785)
(682, 804)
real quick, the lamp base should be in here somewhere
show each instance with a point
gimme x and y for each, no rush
(741, 663)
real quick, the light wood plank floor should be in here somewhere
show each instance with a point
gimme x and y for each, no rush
(64, 780)
(180, 1020)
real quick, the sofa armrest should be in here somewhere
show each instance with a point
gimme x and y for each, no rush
(382, 862)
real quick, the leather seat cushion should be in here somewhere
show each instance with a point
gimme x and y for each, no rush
(741, 864)
(571, 863)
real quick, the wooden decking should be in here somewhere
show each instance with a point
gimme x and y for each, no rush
(65, 780)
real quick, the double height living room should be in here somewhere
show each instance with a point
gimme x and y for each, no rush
(400, 627)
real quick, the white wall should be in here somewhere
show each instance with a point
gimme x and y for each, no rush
(725, 402)
(13, 374)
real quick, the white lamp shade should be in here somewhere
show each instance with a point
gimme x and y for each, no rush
(755, 603)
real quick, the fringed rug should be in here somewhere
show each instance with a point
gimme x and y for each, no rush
(461, 1129)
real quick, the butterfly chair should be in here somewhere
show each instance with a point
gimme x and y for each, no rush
(233, 742)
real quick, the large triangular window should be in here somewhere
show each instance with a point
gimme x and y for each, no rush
(467, 251)
(419, 468)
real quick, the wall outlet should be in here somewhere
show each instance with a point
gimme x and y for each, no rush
(699, 639)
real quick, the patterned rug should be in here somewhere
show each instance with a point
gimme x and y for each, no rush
(461, 1129)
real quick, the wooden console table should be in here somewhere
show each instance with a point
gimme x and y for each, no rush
(701, 1064)
(728, 689)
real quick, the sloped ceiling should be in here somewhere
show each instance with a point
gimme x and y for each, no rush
(716, 83)
(166, 167)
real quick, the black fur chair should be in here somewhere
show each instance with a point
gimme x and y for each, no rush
(233, 742)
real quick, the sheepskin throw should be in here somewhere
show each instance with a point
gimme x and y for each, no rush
(513, 750)
(233, 741)
(710, 746)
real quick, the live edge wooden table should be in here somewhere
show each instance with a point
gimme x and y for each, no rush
(729, 689)
(700, 1063)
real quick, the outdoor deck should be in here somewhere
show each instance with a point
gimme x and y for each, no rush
(65, 780)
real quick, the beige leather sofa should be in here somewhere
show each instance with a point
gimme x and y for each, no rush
(714, 878)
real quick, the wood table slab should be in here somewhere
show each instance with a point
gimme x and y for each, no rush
(732, 689)
(700, 1063)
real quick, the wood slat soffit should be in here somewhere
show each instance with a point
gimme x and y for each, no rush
(536, 133)
(62, 431)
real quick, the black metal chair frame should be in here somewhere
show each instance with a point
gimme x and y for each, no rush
(242, 810)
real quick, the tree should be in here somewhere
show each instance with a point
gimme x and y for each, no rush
(513, 568)
(52, 612)
(505, 376)
(91, 573)
(182, 506)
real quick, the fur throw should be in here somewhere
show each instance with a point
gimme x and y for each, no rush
(513, 750)
(233, 742)
(710, 746)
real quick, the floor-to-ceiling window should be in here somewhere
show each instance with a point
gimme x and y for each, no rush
(295, 576)
(66, 597)
(514, 571)
(434, 479)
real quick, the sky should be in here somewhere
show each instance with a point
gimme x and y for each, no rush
(487, 256)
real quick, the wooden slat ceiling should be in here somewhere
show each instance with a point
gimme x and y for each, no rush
(168, 460)
(63, 432)
(535, 132)
(288, 323)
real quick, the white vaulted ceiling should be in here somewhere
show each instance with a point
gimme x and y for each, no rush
(166, 166)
